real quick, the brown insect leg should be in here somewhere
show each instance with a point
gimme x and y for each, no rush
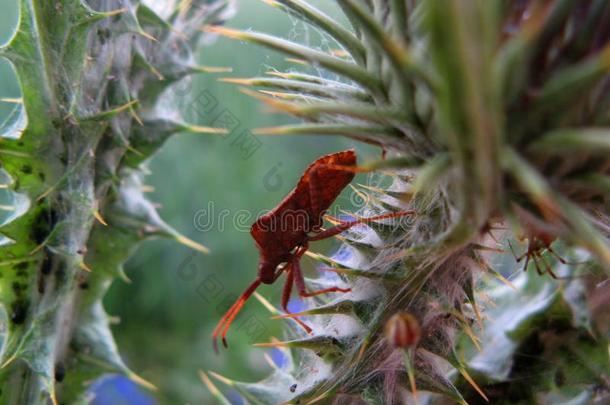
(547, 267)
(228, 317)
(556, 255)
(535, 260)
(561, 259)
(300, 282)
(527, 255)
(286, 297)
(330, 232)
(287, 291)
(518, 258)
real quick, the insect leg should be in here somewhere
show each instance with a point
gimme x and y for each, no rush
(517, 258)
(557, 256)
(287, 291)
(547, 267)
(535, 258)
(237, 307)
(228, 317)
(561, 259)
(286, 297)
(345, 225)
(527, 261)
(299, 280)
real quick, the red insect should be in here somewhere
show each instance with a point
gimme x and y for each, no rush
(283, 235)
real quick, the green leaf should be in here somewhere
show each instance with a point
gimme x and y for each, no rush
(400, 58)
(573, 140)
(132, 211)
(329, 89)
(148, 138)
(12, 204)
(314, 110)
(568, 84)
(431, 173)
(273, 389)
(347, 69)
(15, 123)
(308, 13)
(375, 135)
(471, 127)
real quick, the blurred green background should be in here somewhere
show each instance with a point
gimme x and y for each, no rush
(176, 297)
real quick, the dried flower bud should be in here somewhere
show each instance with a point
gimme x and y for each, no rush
(403, 330)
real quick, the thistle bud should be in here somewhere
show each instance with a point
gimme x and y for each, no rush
(403, 330)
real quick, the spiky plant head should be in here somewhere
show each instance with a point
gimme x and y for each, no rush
(495, 115)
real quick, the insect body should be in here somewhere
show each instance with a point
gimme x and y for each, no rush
(283, 234)
(540, 236)
(537, 244)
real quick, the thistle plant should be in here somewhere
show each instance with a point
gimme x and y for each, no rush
(73, 209)
(494, 118)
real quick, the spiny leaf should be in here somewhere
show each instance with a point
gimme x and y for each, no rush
(573, 140)
(323, 345)
(213, 389)
(15, 123)
(567, 84)
(314, 110)
(342, 306)
(298, 76)
(375, 135)
(314, 16)
(334, 64)
(329, 89)
(148, 138)
(105, 115)
(271, 390)
(430, 173)
(399, 57)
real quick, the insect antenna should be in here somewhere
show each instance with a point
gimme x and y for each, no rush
(229, 316)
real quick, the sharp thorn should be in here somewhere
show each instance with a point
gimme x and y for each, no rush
(99, 218)
(83, 266)
(216, 69)
(191, 243)
(208, 383)
(141, 381)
